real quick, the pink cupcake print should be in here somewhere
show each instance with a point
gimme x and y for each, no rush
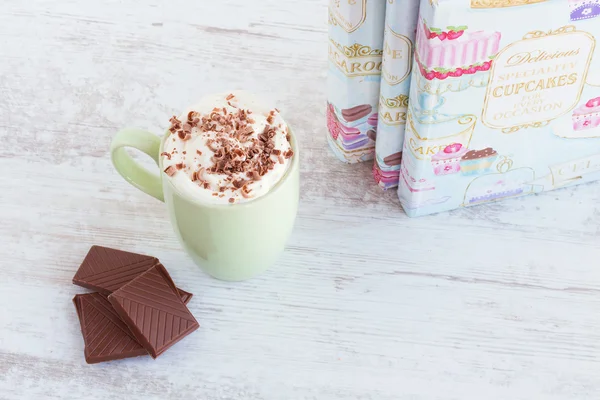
(447, 161)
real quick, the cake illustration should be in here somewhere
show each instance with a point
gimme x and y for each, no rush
(475, 162)
(500, 189)
(447, 161)
(386, 170)
(454, 58)
(427, 131)
(351, 134)
(587, 116)
(499, 186)
(413, 184)
(584, 9)
(385, 179)
(373, 120)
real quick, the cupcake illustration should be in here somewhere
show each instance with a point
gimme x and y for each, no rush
(454, 58)
(587, 116)
(475, 162)
(447, 161)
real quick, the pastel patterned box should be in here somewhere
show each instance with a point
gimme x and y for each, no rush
(354, 77)
(398, 47)
(503, 102)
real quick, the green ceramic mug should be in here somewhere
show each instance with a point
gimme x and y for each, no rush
(230, 242)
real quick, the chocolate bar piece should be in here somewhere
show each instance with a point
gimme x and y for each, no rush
(153, 310)
(106, 337)
(106, 270)
(356, 113)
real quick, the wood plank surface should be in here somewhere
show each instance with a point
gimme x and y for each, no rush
(496, 302)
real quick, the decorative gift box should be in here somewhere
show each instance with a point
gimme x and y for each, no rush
(398, 48)
(503, 102)
(354, 76)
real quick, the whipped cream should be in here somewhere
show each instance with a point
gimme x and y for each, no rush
(229, 148)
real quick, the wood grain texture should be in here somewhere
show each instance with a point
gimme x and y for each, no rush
(496, 302)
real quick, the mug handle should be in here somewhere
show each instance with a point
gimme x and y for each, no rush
(129, 169)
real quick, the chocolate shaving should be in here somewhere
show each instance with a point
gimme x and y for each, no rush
(174, 120)
(231, 96)
(165, 154)
(246, 192)
(231, 200)
(170, 170)
(179, 165)
(237, 152)
(248, 130)
(211, 144)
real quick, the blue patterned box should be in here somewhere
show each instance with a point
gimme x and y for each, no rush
(398, 48)
(354, 77)
(504, 102)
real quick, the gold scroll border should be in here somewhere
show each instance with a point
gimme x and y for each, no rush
(357, 50)
(410, 51)
(362, 20)
(400, 101)
(502, 3)
(471, 120)
(565, 30)
(570, 180)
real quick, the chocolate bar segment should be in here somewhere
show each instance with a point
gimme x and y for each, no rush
(106, 337)
(106, 270)
(153, 310)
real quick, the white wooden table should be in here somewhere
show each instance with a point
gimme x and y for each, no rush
(494, 302)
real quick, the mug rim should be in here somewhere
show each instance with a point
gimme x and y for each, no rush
(294, 165)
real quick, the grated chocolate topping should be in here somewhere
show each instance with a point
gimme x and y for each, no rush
(240, 154)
